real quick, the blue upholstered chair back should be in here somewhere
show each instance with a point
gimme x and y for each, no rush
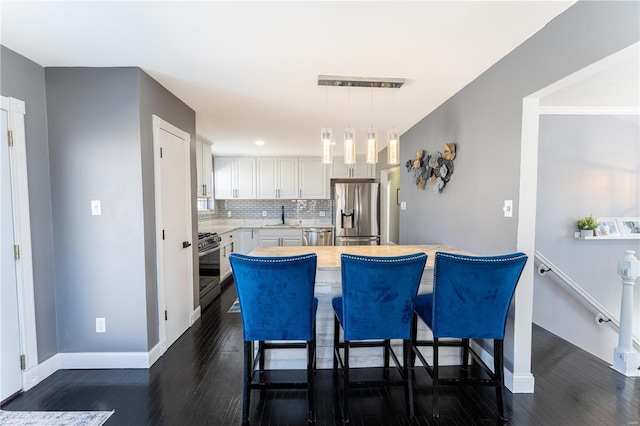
(378, 295)
(276, 296)
(472, 295)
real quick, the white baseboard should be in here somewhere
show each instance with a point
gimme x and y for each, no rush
(515, 382)
(90, 360)
(155, 353)
(195, 315)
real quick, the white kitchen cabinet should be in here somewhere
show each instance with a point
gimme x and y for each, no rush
(360, 170)
(280, 237)
(314, 179)
(234, 178)
(227, 246)
(249, 239)
(204, 166)
(277, 177)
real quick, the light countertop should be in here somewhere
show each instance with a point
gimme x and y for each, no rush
(222, 228)
(329, 256)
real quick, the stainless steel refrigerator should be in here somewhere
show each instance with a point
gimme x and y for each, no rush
(357, 213)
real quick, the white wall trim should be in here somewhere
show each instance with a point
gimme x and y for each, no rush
(90, 360)
(582, 110)
(516, 383)
(16, 110)
(195, 314)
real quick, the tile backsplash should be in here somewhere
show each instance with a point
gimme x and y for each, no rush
(253, 209)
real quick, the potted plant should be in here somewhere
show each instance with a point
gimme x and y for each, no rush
(587, 225)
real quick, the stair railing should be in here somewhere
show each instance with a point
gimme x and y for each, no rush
(602, 315)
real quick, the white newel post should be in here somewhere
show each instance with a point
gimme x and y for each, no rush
(625, 359)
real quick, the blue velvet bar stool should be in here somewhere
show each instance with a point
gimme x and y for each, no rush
(276, 304)
(470, 300)
(377, 304)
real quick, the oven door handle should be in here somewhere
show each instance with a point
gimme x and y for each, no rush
(204, 253)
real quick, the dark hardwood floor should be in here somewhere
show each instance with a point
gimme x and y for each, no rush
(198, 382)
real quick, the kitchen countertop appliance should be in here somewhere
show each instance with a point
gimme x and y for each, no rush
(357, 213)
(317, 236)
(209, 254)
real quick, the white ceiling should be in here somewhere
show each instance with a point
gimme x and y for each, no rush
(250, 69)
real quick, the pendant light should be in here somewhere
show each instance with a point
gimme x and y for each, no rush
(393, 139)
(326, 134)
(349, 139)
(371, 147)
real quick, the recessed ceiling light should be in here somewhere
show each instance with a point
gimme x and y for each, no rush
(259, 143)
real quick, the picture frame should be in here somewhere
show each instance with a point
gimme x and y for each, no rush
(608, 227)
(629, 225)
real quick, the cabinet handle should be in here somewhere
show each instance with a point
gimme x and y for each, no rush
(299, 193)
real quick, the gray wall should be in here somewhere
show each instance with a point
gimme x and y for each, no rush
(586, 165)
(484, 120)
(25, 80)
(155, 99)
(94, 143)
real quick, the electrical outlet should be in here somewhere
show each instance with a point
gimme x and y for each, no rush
(508, 208)
(264, 213)
(229, 213)
(322, 214)
(403, 205)
(101, 325)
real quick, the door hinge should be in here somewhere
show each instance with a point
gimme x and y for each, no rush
(165, 316)
(16, 252)
(10, 137)
(23, 362)
(160, 152)
(163, 234)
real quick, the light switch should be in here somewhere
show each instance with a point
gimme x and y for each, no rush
(508, 208)
(96, 208)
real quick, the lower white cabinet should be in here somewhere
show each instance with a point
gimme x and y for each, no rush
(249, 239)
(280, 237)
(227, 246)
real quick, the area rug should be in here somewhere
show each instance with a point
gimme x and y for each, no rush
(235, 308)
(54, 418)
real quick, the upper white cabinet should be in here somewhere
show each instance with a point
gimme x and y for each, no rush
(360, 170)
(271, 178)
(204, 165)
(277, 177)
(314, 179)
(234, 177)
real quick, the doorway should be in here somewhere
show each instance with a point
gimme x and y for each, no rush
(174, 249)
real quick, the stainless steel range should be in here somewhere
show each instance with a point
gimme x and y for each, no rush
(209, 253)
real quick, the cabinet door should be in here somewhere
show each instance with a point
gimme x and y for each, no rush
(225, 265)
(313, 182)
(288, 178)
(207, 169)
(267, 172)
(199, 175)
(246, 177)
(269, 241)
(363, 170)
(248, 240)
(224, 170)
(339, 169)
(291, 241)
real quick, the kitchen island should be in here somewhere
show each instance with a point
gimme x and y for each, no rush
(329, 285)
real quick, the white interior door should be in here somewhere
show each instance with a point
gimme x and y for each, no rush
(10, 372)
(173, 210)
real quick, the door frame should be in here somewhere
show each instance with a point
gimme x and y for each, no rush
(158, 125)
(16, 110)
